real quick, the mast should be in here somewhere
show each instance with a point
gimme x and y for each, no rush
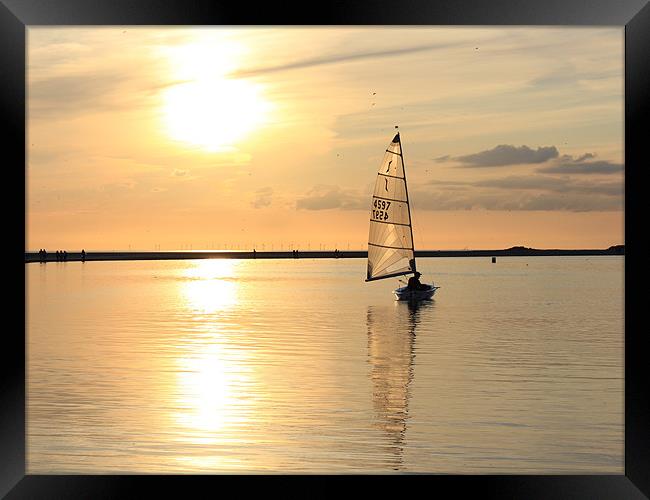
(408, 203)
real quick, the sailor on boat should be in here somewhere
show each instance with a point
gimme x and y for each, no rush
(414, 283)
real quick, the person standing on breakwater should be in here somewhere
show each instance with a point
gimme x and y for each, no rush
(83, 255)
(254, 254)
(65, 255)
(57, 256)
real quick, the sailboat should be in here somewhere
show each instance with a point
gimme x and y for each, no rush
(390, 240)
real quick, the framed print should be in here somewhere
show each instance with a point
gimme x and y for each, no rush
(366, 241)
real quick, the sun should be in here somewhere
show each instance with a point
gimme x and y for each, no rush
(213, 114)
(205, 107)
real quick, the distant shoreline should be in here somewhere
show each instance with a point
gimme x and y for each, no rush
(317, 254)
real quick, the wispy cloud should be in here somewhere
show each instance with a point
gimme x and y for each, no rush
(504, 154)
(72, 93)
(262, 197)
(338, 58)
(586, 156)
(579, 166)
(569, 76)
(526, 201)
(88, 92)
(516, 192)
(324, 197)
(553, 184)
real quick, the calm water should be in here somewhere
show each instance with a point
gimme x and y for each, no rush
(210, 366)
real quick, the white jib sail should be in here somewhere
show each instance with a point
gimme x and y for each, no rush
(390, 240)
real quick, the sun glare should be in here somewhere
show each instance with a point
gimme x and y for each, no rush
(210, 380)
(207, 108)
(209, 287)
(211, 268)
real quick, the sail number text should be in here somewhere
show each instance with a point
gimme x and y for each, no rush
(380, 210)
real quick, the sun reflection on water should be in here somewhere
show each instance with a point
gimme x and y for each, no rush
(209, 383)
(210, 285)
(213, 371)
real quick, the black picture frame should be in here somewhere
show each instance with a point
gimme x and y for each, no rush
(634, 15)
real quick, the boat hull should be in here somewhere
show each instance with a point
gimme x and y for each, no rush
(403, 293)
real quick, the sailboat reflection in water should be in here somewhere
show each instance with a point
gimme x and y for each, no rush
(391, 345)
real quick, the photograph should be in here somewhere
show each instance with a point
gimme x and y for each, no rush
(325, 250)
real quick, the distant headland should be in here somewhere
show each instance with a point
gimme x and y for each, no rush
(517, 251)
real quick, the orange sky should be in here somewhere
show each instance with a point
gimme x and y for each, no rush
(202, 138)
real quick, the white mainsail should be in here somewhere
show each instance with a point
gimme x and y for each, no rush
(390, 240)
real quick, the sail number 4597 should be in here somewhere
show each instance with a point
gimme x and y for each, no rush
(380, 211)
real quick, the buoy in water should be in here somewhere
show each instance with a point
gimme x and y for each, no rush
(494, 259)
